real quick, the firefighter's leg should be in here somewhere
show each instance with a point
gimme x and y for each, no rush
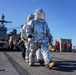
(23, 53)
(47, 56)
(27, 52)
(39, 56)
(33, 48)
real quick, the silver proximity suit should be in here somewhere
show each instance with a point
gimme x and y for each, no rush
(25, 38)
(39, 35)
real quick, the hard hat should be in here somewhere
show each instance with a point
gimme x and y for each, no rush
(31, 15)
(39, 10)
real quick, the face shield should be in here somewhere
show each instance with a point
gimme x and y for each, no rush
(39, 16)
(29, 18)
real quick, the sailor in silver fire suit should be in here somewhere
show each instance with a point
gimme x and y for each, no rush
(39, 35)
(24, 37)
(26, 43)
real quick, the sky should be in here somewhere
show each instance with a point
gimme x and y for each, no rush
(59, 14)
